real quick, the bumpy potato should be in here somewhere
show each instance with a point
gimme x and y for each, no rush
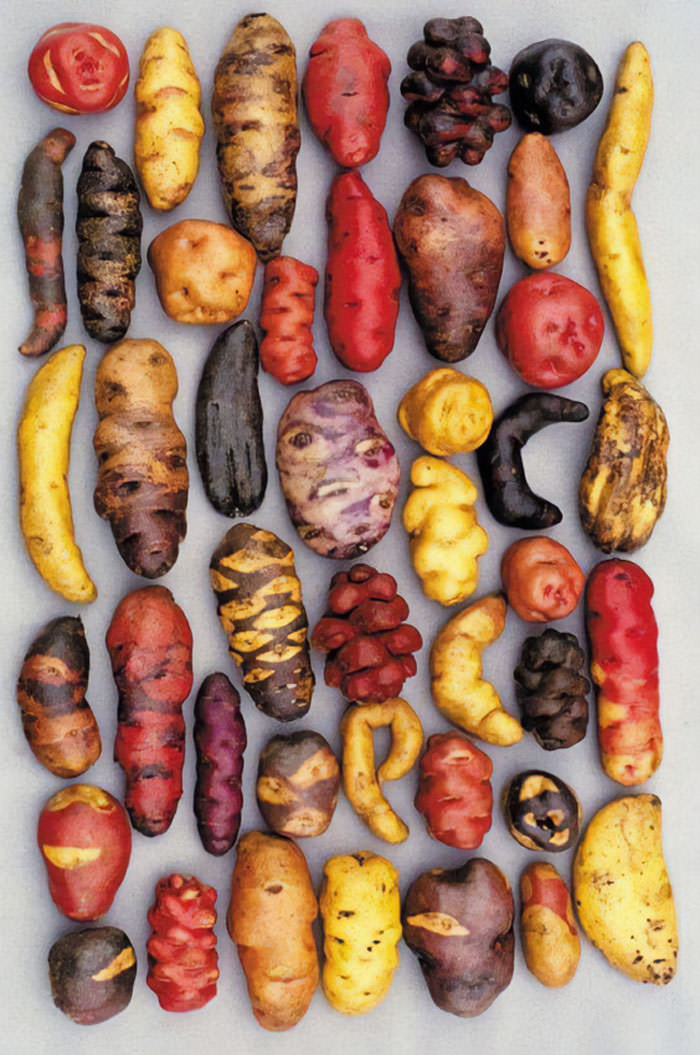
(447, 412)
(204, 271)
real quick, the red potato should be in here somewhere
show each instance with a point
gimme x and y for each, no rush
(286, 317)
(363, 279)
(150, 646)
(85, 840)
(541, 579)
(220, 738)
(79, 68)
(183, 962)
(345, 91)
(455, 794)
(550, 329)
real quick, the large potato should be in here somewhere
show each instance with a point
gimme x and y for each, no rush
(622, 891)
(451, 239)
(339, 472)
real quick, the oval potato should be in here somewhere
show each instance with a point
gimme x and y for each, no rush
(538, 203)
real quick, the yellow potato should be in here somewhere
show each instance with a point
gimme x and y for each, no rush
(169, 126)
(43, 441)
(447, 412)
(622, 890)
(610, 222)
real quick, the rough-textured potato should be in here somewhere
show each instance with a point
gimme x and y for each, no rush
(551, 689)
(204, 271)
(610, 222)
(541, 811)
(622, 492)
(92, 974)
(447, 412)
(548, 931)
(622, 891)
(169, 125)
(460, 926)
(338, 471)
(451, 239)
(362, 782)
(43, 448)
(255, 117)
(183, 962)
(446, 539)
(361, 911)
(270, 915)
(538, 203)
(459, 691)
(298, 783)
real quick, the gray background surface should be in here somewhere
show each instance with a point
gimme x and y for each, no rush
(600, 1009)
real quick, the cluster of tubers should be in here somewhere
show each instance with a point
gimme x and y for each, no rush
(340, 478)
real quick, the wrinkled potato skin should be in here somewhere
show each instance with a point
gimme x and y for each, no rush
(622, 891)
(451, 239)
(538, 203)
(548, 931)
(204, 271)
(622, 492)
(460, 925)
(270, 915)
(447, 412)
(361, 911)
(169, 126)
(298, 783)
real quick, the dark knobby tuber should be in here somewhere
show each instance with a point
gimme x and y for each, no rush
(551, 689)
(554, 85)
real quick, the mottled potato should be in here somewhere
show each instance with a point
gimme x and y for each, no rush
(541, 811)
(447, 412)
(551, 944)
(204, 271)
(298, 782)
(92, 974)
(538, 203)
(460, 926)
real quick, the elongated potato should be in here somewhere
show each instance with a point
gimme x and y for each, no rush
(255, 116)
(538, 203)
(611, 225)
(550, 940)
(622, 890)
(43, 441)
(169, 126)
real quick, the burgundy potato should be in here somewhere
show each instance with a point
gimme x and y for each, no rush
(220, 739)
(459, 924)
(92, 973)
(338, 471)
(451, 239)
(298, 782)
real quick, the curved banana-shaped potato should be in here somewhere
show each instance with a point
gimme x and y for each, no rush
(446, 538)
(459, 691)
(43, 443)
(610, 222)
(169, 125)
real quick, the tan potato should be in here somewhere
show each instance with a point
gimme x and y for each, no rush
(551, 944)
(538, 203)
(204, 271)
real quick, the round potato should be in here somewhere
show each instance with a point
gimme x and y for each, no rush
(204, 271)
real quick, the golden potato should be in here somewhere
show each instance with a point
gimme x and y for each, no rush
(204, 271)
(447, 412)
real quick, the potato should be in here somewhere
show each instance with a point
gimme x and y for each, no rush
(204, 271)
(447, 412)
(298, 782)
(622, 890)
(548, 930)
(538, 203)
(460, 926)
(451, 239)
(92, 974)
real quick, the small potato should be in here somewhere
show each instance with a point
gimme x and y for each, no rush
(541, 579)
(541, 811)
(551, 944)
(298, 783)
(92, 974)
(538, 203)
(447, 412)
(204, 271)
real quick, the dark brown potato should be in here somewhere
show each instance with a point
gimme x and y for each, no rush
(92, 974)
(58, 722)
(541, 811)
(551, 689)
(451, 239)
(459, 924)
(298, 781)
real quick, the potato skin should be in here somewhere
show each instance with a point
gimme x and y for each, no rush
(548, 931)
(451, 239)
(298, 783)
(622, 890)
(92, 974)
(270, 914)
(169, 126)
(460, 925)
(361, 912)
(622, 492)
(255, 117)
(538, 203)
